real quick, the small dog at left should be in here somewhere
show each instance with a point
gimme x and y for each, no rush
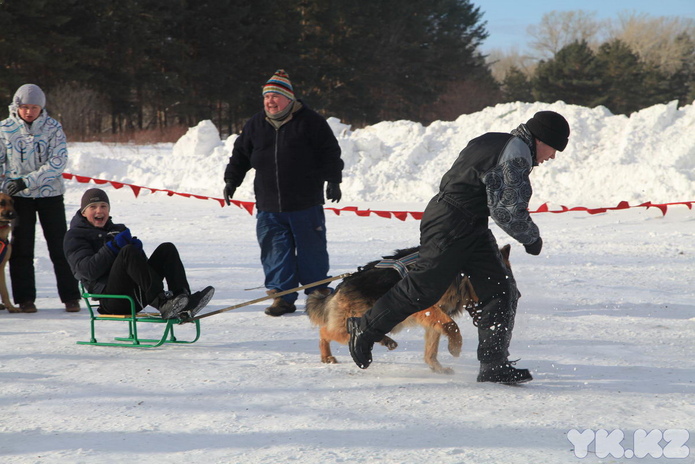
(7, 216)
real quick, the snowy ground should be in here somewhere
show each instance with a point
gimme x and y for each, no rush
(606, 321)
(606, 324)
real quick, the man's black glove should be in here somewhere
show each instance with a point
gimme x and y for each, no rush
(333, 192)
(15, 186)
(228, 192)
(535, 247)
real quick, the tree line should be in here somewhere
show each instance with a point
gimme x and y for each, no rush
(637, 63)
(119, 67)
(142, 64)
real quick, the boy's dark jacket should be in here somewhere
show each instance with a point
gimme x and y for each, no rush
(85, 248)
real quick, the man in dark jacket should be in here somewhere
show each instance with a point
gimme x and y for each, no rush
(294, 152)
(107, 259)
(489, 178)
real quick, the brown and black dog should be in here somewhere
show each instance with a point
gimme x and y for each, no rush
(358, 292)
(7, 216)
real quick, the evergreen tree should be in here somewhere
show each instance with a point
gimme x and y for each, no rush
(622, 78)
(35, 45)
(231, 48)
(572, 76)
(121, 68)
(516, 86)
(384, 60)
(683, 80)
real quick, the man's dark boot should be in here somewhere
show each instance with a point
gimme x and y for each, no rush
(503, 372)
(360, 344)
(279, 306)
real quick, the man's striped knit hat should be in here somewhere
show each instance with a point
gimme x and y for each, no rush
(279, 83)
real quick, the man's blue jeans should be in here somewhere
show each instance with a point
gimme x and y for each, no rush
(293, 249)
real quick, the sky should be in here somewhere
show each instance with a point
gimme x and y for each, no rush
(508, 20)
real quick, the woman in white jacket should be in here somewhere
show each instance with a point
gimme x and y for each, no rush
(33, 155)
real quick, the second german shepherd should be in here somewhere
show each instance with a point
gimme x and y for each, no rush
(357, 293)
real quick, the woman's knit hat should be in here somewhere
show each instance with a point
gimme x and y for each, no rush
(93, 195)
(550, 128)
(29, 94)
(279, 83)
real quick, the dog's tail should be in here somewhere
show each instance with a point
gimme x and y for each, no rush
(317, 307)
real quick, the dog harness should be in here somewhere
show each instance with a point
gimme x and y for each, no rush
(3, 249)
(401, 265)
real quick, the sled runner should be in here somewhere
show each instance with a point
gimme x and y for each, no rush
(133, 319)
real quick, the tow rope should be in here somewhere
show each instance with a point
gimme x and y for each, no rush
(270, 297)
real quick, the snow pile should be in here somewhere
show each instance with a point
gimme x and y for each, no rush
(648, 156)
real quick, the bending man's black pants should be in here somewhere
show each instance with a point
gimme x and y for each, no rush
(452, 242)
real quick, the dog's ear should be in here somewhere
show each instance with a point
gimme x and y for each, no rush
(506, 251)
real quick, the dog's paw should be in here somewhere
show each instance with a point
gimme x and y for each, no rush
(451, 329)
(389, 343)
(439, 369)
(329, 360)
(455, 348)
(12, 309)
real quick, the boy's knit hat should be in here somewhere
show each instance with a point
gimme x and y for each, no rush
(279, 83)
(93, 195)
(29, 94)
(550, 128)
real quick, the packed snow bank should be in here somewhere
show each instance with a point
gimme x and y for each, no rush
(648, 156)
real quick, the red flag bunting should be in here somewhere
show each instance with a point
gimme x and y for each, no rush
(401, 215)
(136, 190)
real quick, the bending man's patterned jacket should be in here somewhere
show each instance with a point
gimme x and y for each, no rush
(491, 178)
(36, 152)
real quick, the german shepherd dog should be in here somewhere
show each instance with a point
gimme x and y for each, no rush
(7, 216)
(357, 293)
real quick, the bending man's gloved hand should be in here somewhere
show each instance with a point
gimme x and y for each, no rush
(333, 192)
(228, 192)
(15, 186)
(119, 241)
(535, 247)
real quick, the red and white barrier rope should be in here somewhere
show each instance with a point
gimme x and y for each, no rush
(402, 215)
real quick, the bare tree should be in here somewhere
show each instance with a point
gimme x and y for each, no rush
(558, 29)
(659, 41)
(79, 110)
(500, 62)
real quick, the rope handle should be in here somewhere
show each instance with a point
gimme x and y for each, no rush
(269, 297)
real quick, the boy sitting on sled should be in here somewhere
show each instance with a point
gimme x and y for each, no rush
(106, 258)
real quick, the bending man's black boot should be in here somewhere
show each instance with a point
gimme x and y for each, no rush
(360, 344)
